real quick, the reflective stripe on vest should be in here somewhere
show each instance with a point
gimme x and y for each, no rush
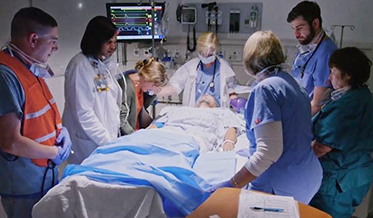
(42, 121)
(38, 113)
(46, 137)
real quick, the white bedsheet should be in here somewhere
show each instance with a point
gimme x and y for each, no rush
(208, 124)
(78, 196)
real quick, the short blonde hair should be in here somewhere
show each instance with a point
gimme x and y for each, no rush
(152, 71)
(262, 49)
(208, 99)
(206, 42)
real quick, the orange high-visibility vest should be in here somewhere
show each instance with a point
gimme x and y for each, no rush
(41, 118)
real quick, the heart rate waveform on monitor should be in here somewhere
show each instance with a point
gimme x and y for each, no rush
(134, 21)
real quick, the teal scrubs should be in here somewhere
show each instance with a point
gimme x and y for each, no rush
(346, 125)
(297, 172)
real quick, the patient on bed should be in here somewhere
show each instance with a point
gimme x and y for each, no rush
(166, 159)
(214, 128)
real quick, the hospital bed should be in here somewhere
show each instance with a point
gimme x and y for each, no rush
(83, 195)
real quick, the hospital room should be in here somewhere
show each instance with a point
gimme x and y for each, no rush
(186, 108)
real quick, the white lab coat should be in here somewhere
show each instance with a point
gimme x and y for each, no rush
(185, 79)
(91, 117)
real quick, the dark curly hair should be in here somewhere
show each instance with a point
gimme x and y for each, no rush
(352, 62)
(308, 10)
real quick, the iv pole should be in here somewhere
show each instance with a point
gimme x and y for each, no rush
(352, 27)
(153, 46)
(153, 42)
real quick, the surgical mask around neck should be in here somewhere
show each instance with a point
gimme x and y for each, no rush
(150, 92)
(42, 72)
(207, 60)
(38, 68)
(337, 94)
(306, 48)
(310, 46)
(264, 73)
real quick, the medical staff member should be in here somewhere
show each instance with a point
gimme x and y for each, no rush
(93, 96)
(32, 139)
(207, 74)
(344, 135)
(138, 86)
(310, 65)
(278, 126)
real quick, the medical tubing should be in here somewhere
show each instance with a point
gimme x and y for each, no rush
(194, 39)
(7, 159)
(213, 76)
(216, 19)
(51, 166)
(125, 96)
(305, 65)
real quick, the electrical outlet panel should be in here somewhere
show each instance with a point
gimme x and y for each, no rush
(233, 55)
(136, 52)
(147, 53)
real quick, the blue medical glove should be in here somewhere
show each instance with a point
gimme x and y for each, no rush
(245, 152)
(63, 145)
(159, 124)
(220, 185)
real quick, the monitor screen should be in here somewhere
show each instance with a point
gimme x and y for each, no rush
(134, 21)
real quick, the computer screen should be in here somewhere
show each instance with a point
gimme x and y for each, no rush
(134, 21)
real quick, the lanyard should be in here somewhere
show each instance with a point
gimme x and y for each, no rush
(305, 65)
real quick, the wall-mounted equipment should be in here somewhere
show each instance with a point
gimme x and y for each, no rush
(234, 21)
(232, 17)
(254, 16)
(215, 17)
(188, 15)
(134, 21)
(212, 15)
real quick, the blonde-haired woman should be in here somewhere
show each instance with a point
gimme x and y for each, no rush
(137, 88)
(278, 117)
(206, 74)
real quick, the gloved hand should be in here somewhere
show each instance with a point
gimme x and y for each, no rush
(64, 146)
(245, 152)
(220, 185)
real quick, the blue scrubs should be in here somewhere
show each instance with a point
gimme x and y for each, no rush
(205, 77)
(317, 70)
(297, 172)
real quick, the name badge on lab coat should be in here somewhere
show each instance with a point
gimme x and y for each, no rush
(102, 83)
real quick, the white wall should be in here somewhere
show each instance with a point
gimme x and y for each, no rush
(73, 19)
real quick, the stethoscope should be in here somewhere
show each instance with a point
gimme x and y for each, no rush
(212, 83)
(308, 60)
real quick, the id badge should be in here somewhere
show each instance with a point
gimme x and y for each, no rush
(101, 83)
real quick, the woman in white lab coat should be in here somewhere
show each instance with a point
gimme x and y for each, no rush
(207, 74)
(92, 95)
